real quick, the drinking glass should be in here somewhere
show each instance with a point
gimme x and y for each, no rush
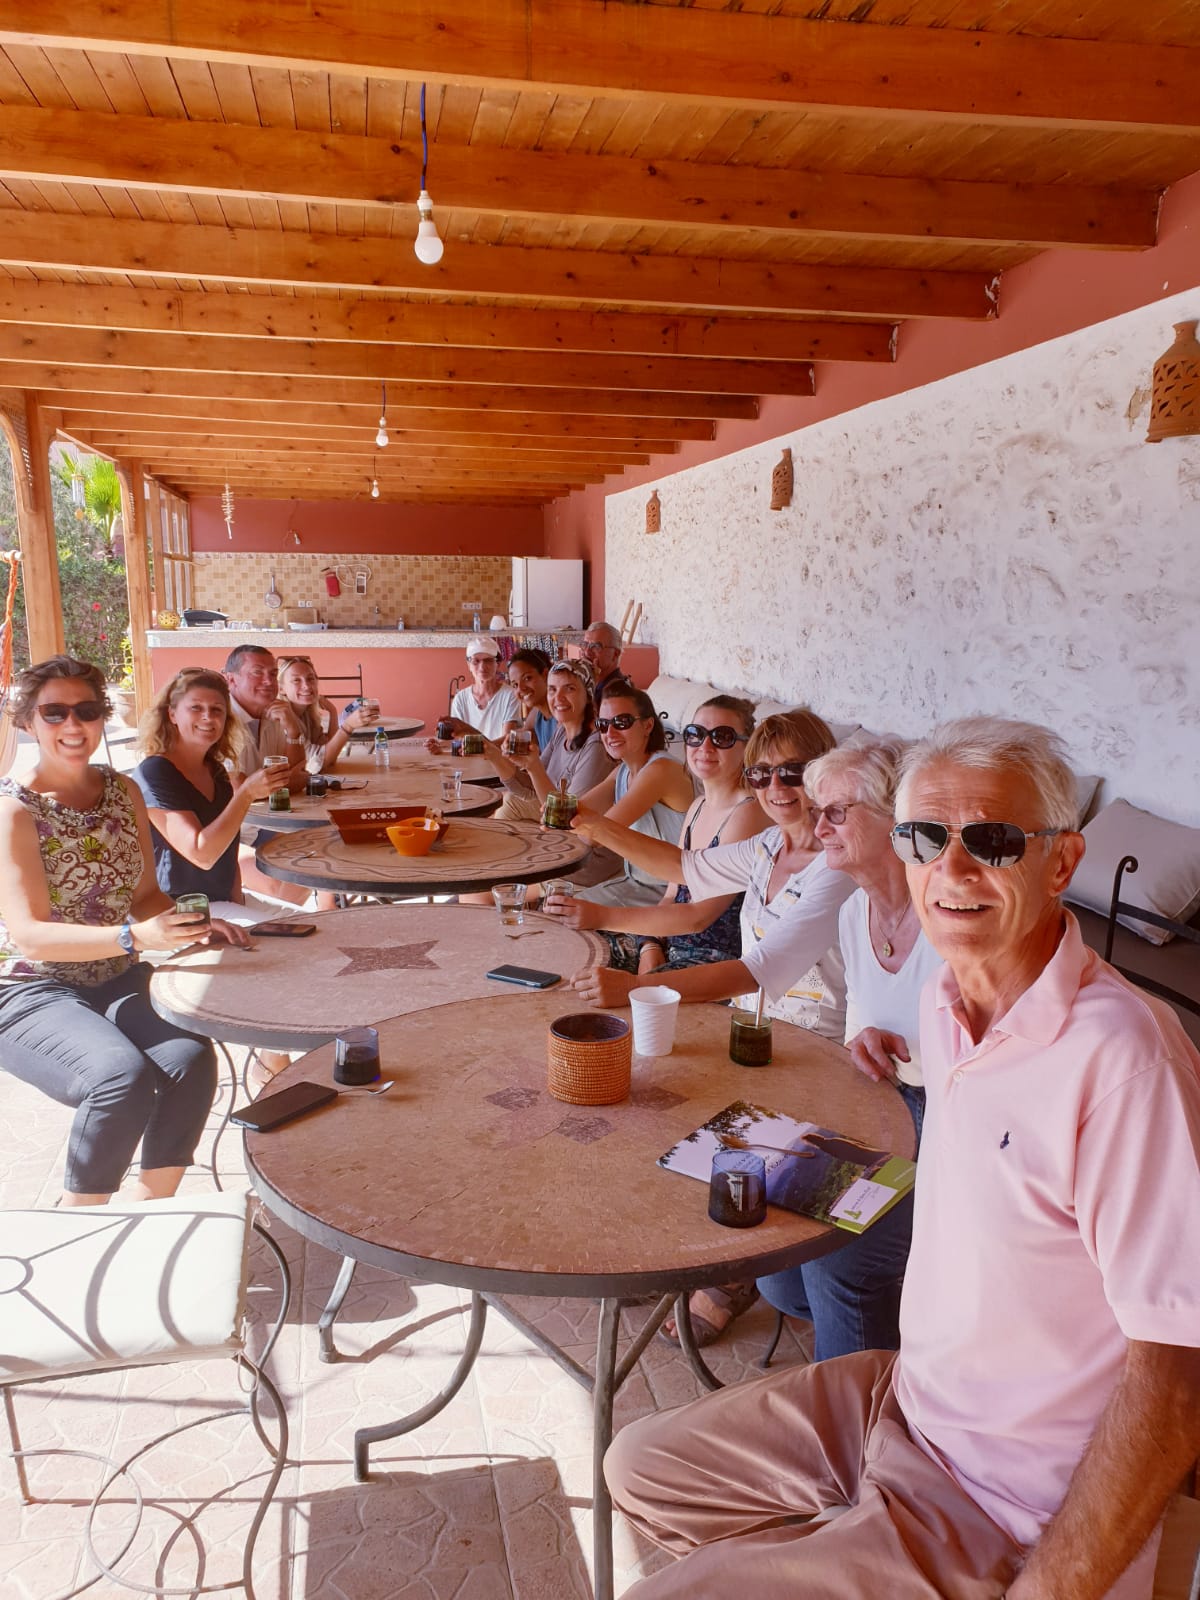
(749, 1041)
(452, 789)
(195, 906)
(510, 904)
(737, 1189)
(356, 1055)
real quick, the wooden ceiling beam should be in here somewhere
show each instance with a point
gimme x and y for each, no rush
(658, 52)
(41, 239)
(131, 414)
(204, 488)
(462, 399)
(218, 158)
(358, 458)
(376, 319)
(398, 365)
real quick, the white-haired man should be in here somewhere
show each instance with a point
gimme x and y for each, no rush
(601, 646)
(1043, 1405)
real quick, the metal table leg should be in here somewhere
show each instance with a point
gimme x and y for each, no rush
(364, 1438)
(687, 1343)
(603, 1391)
(328, 1351)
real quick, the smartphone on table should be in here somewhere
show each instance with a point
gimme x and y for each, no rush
(273, 1110)
(526, 977)
(281, 930)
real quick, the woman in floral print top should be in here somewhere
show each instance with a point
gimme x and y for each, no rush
(78, 901)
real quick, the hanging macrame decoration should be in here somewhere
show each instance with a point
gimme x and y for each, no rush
(227, 509)
(653, 513)
(1175, 399)
(782, 482)
(8, 729)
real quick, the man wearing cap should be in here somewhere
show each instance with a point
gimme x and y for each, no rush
(602, 652)
(487, 703)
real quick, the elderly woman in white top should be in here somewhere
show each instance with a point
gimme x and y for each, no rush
(790, 911)
(852, 1297)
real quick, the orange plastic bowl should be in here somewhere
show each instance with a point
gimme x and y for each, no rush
(414, 838)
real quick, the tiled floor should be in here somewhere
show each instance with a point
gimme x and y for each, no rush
(490, 1501)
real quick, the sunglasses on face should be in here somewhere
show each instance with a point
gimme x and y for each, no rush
(723, 738)
(789, 773)
(992, 844)
(835, 813)
(621, 723)
(56, 711)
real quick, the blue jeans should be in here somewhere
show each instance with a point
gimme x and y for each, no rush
(852, 1296)
(130, 1075)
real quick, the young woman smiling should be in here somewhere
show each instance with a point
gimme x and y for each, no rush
(574, 755)
(78, 903)
(196, 813)
(679, 932)
(325, 734)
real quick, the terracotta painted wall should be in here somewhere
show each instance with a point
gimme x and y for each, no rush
(1059, 292)
(343, 527)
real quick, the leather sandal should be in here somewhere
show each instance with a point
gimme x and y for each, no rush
(727, 1301)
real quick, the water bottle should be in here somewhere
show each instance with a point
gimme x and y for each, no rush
(383, 753)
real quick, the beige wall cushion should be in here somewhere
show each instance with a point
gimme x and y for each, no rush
(90, 1287)
(1168, 875)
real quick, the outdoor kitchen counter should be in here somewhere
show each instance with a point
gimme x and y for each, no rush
(408, 672)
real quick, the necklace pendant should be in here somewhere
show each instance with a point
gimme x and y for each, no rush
(887, 950)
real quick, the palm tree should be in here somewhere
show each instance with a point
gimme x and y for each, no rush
(96, 491)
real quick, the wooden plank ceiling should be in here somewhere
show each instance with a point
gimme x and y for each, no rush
(653, 214)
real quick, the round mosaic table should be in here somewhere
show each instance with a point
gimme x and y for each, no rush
(473, 855)
(410, 755)
(362, 963)
(394, 727)
(494, 1186)
(410, 787)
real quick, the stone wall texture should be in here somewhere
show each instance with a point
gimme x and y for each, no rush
(1001, 541)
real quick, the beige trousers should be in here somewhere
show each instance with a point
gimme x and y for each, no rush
(727, 1481)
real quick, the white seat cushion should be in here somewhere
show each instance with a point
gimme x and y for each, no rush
(89, 1287)
(1168, 875)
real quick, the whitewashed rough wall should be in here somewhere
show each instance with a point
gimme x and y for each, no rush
(1003, 540)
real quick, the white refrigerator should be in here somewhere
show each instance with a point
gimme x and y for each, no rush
(546, 594)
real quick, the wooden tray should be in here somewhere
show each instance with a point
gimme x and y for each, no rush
(369, 824)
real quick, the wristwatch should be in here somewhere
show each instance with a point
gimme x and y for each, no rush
(125, 937)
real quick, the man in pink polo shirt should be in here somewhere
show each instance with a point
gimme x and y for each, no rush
(1043, 1405)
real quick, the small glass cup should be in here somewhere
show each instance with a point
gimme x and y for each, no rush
(444, 729)
(280, 799)
(509, 899)
(452, 790)
(562, 887)
(737, 1189)
(356, 1056)
(749, 1041)
(472, 744)
(559, 810)
(197, 907)
(456, 747)
(517, 741)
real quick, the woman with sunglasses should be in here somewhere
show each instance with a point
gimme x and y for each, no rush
(324, 732)
(648, 793)
(78, 903)
(196, 814)
(574, 755)
(789, 915)
(679, 932)
(852, 1297)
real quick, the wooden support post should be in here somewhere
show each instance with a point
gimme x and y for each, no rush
(158, 577)
(137, 577)
(35, 526)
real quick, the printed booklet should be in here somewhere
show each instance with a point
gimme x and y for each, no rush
(810, 1169)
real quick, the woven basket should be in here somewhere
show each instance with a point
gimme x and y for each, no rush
(590, 1059)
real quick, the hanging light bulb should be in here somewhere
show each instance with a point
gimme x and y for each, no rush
(381, 438)
(428, 246)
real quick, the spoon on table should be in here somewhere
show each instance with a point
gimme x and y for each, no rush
(733, 1141)
(382, 1089)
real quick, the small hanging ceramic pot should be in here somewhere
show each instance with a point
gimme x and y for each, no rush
(653, 513)
(782, 482)
(1175, 399)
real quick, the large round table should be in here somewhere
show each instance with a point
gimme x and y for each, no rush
(469, 1173)
(406, 787)
(410, 755)
(393, 727)
(475, 853)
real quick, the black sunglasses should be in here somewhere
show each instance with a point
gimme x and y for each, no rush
(789, 773)
(723, 738)
(57, 711)
(992, 844)
(620, 723)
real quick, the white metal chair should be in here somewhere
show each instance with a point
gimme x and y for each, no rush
(102, 1288)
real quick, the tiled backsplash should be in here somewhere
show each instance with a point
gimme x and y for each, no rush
(427, 591)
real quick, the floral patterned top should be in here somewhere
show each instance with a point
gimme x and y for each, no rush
(93, 863)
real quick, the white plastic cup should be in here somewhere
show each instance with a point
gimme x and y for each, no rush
(655, 1012)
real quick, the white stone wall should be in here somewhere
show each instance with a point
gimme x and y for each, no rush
(1003, 540)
